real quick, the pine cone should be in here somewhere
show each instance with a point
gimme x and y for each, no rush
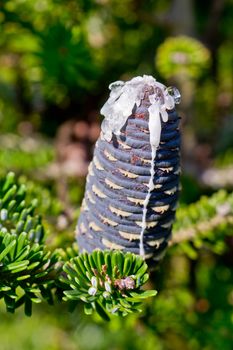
(133, 181)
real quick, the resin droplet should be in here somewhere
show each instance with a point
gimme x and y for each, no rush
(125, 96)
(174, 92)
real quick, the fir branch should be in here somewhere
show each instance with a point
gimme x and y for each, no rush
(204, 223)
(27, 269)
(108, 282)
(201, 228)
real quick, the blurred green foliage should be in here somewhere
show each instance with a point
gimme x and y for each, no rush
(26, 154)
(56, 61)
(182, 57)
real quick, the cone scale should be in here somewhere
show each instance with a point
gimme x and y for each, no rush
(133, 180)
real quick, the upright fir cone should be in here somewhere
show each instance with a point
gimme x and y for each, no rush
(133, 181)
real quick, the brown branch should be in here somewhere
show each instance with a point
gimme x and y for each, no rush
(199, 229)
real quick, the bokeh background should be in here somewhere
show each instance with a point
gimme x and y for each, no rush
(57, 59)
